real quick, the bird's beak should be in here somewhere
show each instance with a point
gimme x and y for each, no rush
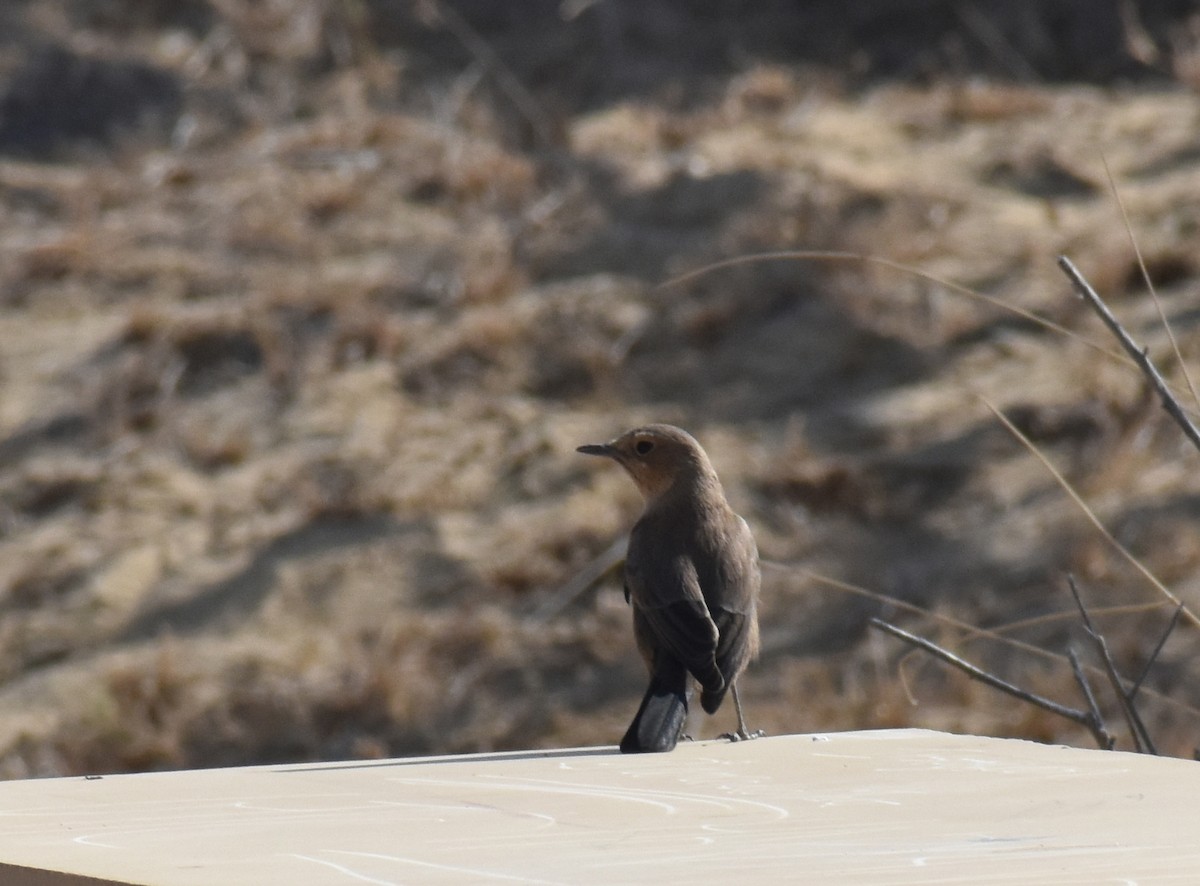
(598, 449)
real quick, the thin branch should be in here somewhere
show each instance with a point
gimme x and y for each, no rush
(1083, 718)
(1139, 355)
(1137, 684)
(1099, 731)
(1137, 728)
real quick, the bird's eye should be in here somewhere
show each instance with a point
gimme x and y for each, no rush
(643, 446)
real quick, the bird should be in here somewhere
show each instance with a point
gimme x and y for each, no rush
(692, 579)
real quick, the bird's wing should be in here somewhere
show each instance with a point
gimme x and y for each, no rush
(666, 596)
(733, 598)
(737, 641)
(737, 575)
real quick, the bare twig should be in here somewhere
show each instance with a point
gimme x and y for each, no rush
(1099, 731)
(1139, 355)
(1141, 738)
(1083, 718)
(1137, 684)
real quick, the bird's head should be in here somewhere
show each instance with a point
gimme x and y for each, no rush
(657, 457)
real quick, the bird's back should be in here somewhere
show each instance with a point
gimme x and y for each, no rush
(703, 555)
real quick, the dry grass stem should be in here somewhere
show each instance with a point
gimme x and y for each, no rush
(1158, 305)
(1090, 514)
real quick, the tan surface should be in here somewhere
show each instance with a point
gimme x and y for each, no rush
(870, 807)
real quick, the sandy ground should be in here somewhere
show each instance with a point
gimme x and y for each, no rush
(304, 307)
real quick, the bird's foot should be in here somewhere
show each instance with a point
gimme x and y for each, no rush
(742, 735)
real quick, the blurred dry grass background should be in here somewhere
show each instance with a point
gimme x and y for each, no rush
(304, 305)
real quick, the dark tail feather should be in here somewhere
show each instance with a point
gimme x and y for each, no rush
(659, 720)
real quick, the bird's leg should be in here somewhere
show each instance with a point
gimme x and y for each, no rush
(737, 706)
(742, 734)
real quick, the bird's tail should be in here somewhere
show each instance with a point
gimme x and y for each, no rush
(659, 720)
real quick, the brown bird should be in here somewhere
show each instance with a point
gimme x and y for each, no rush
(692, 576)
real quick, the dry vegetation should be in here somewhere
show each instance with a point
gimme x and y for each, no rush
(304, 305)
